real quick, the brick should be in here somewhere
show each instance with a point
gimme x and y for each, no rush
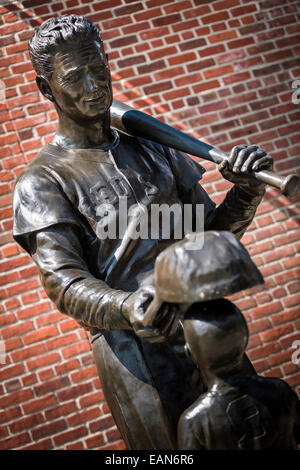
(148, 14)
(128, 10)
(276, 333)
(288, 341)
(16, 330)
(211, 51)
(292, 301)
(263, 351)
(288, 238)
(49, 429)
(186, 4)
(12, 371)
(10, 250)
(45, 444)
(216, 72)
(192, 78)
(75, 446)
(10, 414)
(94, 441)
(224, 4)
(118, 445)
(167, 20)
(266, 309)
(61, 341)
(83, 416)
(189, 25)
(68, 325)
(221, 37)
(240, 43)
(166, 51)
(40, 334)
(28, 352)
(123, 41)
(294, 380)
(13, 385)
(70, 435)
(282, 21)
(214, 18)
(42, 361)
(39, 403)
(153, 66)
(113, 434)
(193, 44)
(101, 424)
(169, 73)
(158, 87)
(29, 379)
(10, 317)
(237, 77)
(182, 58)
(220, 27)
(206, 86)
(154, 33)
(22, 287)
(60, 410)
(74, 392)
(26, 423)
(134, 60)
(16, 397)
(14, 442)
(33, 310)
(81, 375)
(51, 385)
(91, 399)
(106, 4)
(45, 374)
(261, 366)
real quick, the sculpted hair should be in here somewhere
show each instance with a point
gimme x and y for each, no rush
(52, 34)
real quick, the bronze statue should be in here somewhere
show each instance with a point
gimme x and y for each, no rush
(62, 208)
(238, 411)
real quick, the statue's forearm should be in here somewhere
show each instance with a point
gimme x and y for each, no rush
(68, 282)
(237, 210)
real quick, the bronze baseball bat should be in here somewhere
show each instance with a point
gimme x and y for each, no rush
(136, 123)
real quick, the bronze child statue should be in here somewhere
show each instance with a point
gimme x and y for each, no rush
(238, 411)
(60, 203)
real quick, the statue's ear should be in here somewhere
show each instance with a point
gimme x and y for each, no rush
(44, 88)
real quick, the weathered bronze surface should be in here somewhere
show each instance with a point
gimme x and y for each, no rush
(106, 284)
(238, 411)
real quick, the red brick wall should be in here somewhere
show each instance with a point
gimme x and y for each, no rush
(223, 69)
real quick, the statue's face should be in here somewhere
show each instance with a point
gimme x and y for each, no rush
(81, 81)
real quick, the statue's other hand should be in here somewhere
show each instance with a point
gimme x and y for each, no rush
(242, 161)
(165, 321)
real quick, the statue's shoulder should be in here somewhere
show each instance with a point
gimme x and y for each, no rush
(37, 174)
(144, 144)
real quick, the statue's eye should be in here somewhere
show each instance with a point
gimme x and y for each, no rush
(72, 78)
(100, 72)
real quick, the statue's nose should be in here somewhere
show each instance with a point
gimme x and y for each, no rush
(91, 83)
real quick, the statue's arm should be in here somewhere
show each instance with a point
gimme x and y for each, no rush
(237, 210)
(58, 253)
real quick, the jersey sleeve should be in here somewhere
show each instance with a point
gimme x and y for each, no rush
(39, 203)
(186, 171)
